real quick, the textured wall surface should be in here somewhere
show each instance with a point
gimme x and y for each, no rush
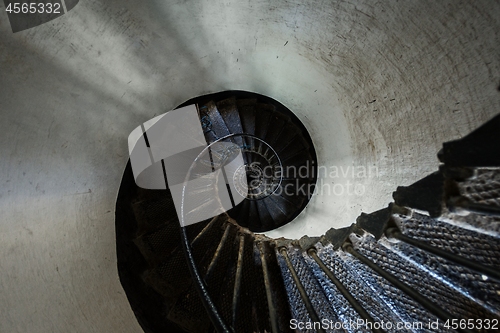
(377, 84)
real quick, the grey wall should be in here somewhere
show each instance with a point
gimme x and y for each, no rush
(376, 83)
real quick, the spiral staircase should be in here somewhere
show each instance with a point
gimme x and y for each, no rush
(431, 257)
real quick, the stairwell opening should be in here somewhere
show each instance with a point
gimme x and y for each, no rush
(280, 159)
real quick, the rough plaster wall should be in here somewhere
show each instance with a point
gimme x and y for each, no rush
(375, 83)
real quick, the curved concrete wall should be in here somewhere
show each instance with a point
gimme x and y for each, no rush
(377, 84)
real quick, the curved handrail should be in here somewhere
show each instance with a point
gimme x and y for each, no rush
(207, 301)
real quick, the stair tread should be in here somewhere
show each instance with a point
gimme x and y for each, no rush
(294, 146)
(470, 284)
(278, 123)
(294, 190)
(344, 310)
(287, 134)
(222, 253)
(159, 243)
(224, 301)
(253, 215)
(483, 224)
(483, 187)
(280, 203)
(297, 306)
(188, 311)
(376, 295)
(243, 214)
(266, 222)
(150, 213)
(246, 109)
(263, 114)
(277, 286)
(412, 265)
(479, 247)
(228, 109)
(315, 293)
(171, 276)
(218, 126)
(276, 211)
(299, 165)
(253, 292)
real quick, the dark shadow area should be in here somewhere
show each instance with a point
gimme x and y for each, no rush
(146, 303)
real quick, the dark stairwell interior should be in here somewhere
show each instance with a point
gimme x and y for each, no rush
(428, 258)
